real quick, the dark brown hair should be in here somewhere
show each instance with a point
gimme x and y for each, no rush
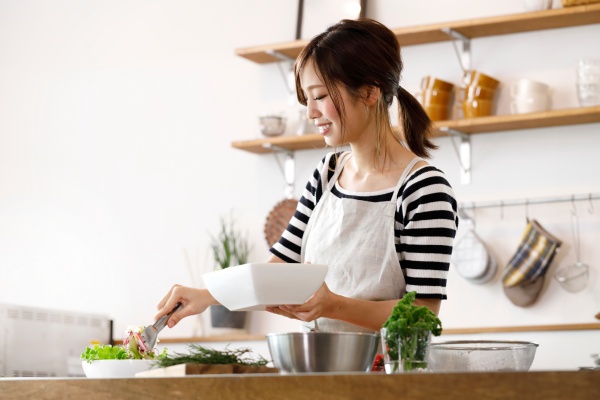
(359, 53)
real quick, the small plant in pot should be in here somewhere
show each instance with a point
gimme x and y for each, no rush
(229, 248)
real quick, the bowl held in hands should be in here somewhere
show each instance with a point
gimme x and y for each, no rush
(254, 286)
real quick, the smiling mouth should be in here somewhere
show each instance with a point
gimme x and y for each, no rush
(323, 129)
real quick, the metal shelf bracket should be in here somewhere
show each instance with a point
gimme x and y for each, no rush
(463, 151)
(287, 167)
(464, 55)
(279, 55)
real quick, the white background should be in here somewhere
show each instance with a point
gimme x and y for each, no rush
(116, 123)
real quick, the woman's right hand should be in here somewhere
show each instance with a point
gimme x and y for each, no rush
(194, 302)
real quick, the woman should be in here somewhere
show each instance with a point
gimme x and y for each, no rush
(379, 216)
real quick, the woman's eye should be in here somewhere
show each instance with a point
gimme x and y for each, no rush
(320, 97)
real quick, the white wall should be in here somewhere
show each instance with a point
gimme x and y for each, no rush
(116, 119)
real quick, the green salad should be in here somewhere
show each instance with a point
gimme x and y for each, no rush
(133, 348)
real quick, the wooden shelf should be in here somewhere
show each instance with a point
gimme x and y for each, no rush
(262, 146)
(239, 337)
(246, 337)
(497, 123)
(494, 123)
(473, 28)
(532, 328)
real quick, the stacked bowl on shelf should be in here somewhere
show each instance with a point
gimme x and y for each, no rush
(528, 96)
(478, 95)
(436, 97)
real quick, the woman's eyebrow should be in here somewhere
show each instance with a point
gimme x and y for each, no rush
(314, 86)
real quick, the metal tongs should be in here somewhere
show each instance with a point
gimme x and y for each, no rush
(150, 333)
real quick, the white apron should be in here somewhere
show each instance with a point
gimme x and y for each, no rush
(355, 238)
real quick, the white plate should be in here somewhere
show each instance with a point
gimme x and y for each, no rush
(252, 287)
(115, 368)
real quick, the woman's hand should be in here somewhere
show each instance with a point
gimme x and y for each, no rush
(321, 304)
(194, 302)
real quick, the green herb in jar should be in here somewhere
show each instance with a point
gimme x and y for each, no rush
(400, 338)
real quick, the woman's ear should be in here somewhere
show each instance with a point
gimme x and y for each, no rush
(371, 95)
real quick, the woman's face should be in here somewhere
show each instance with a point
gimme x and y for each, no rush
(321, 109)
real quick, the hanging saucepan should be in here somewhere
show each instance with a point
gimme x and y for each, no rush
(281, 214)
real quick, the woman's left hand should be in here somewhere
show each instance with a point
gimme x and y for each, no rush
(319, 305)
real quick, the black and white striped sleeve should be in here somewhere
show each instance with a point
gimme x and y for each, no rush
(426, 224)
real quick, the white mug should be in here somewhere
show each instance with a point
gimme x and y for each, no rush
(530, 104)
(528, 87)
(537, 5)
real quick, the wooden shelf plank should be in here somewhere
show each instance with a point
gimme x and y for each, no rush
(493, 123)
(245, 337)
(473, 28)
(240, 337)
(497, 123)
(301, 142)
(532, 328)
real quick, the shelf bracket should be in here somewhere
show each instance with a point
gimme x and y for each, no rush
(287, 167)
(464, 55)
(279, 55)
(463, 151)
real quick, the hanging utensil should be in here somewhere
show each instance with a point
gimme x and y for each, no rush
(470, 256)
(574, 278)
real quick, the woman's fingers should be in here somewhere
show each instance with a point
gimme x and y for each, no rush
(282, 312)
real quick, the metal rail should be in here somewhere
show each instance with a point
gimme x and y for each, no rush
(527, 202)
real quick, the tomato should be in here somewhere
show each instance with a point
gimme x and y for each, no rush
(378, 363)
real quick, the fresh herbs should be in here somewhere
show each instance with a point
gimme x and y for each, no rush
(204, 355)
(404, 343)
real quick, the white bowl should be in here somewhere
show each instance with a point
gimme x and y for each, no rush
(252, 287)
(115, 368)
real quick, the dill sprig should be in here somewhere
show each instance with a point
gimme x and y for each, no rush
(205, 355)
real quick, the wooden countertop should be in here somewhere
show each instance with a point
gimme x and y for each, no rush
(542, 385)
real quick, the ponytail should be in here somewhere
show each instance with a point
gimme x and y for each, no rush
(415, 124)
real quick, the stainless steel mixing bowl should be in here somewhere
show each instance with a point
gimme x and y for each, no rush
(322, 351)
(481, 355)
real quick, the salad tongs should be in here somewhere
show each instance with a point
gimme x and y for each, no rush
(150, 333)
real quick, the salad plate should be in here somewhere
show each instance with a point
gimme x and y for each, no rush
(255, 286)
(115, 368)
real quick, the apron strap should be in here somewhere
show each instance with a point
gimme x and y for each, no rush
(405, 173)
(345, 156)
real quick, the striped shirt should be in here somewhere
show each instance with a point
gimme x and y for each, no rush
(425, 225)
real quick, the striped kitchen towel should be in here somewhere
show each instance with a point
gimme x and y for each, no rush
(533, 257)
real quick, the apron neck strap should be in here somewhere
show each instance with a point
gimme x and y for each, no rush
(403, 177)
(345, 156)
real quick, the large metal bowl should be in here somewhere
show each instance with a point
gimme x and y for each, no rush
(481, 355)
(299, 352)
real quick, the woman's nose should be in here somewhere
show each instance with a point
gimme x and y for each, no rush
(311, 111)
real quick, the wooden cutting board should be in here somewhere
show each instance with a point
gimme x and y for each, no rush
(202, 369)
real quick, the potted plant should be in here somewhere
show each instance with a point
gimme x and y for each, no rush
(229, 249)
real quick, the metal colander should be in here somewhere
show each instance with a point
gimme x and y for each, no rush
(481, 355)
